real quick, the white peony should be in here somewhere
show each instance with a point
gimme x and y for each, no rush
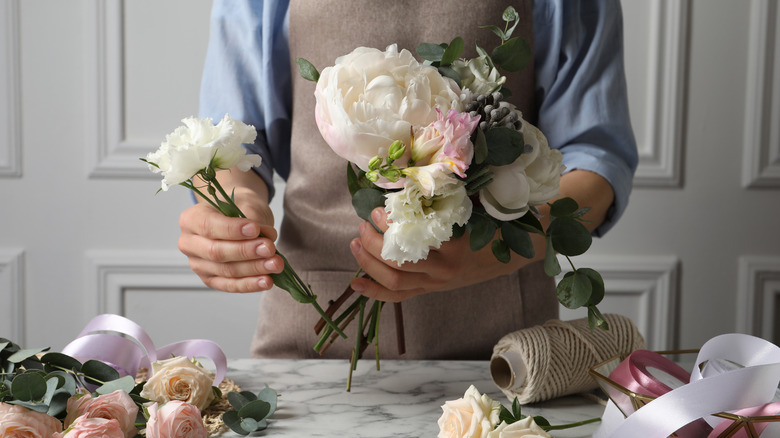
(478, 76)
(474, 415)
(419, 222)
(533, 179)
(525, 428)
(371, 98)
(199, 145)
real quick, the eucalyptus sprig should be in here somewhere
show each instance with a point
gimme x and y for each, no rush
(250, 411)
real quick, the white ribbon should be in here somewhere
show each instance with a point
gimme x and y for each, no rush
(710, 391)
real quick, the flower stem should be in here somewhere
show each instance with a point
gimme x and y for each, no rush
(571, 425)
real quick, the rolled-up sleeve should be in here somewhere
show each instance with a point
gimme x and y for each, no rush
(581, 88)
(247, 75)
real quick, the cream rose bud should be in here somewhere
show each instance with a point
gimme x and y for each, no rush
(474, 415)
(525, 428)
(19, 422)
(179, 379)
(478, 76)
(117, 405)
(533, 179)
(370, 98)
(198, 145)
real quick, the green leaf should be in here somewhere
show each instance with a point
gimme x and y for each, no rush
(449, 72)
(256, 409)
(366, 200)
(574, 290)
(269, 396)
(510, 15)
(569, 237)
(481, 231)
(239, 399)
(596, 283)
(530, 223)
(551, 265)
(517, 238)
(126, 384)
(28, 387)
(541, 421)
(596, 319)
(98, 373)
(430, 52)
(58, 404)
(22, 355)
(504, 146)
(513, 55)
(496, 30)
(563, 207)
(62, 361)
(501, 251)
(452, 52)
(307, 70)
(248, 423)
(228, 208)
(232, 420)
(480, 147)
(505, 415)
(458, 231)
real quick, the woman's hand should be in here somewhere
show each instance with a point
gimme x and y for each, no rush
(451, 266)
(227, 253)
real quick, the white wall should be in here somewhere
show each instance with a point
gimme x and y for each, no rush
(87, 87)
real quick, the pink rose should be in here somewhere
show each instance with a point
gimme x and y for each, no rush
(447, 140)
(175, 419)
(114, 406)
(85, 427)
(16, 421)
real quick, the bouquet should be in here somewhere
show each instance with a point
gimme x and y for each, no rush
(47, 394)
(441, 149)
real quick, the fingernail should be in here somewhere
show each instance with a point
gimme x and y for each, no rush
(270, 265)
(264, 283)
(355, 246)
(263, 251)
(376, 215)
(358, 286)
(250, 230)
(362, 227)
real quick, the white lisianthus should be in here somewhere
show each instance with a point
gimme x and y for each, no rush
(200, 145)
(419, 222)
(474, 415)
(371, 98)
(525, 428)
(533, 179)
(478, 76)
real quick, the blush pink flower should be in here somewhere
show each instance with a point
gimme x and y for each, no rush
(175, 419)
(447, 140)
(20, 422)
(117, 406)
(85, 427)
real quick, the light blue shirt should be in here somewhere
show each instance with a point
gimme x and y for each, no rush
(580, 85)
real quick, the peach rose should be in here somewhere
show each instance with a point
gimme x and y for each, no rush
(85, 427)
(175, 419)
(19, 422)
(114, 406)
(180, 378)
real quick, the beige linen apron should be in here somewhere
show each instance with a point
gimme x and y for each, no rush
(319, 221)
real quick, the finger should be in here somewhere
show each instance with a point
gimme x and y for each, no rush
(239, 285)
(377, 291)
(390, 278)
(193, 245)
(379, 216)
(206, 221)
(236, 270)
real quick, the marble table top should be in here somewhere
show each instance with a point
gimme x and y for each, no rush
(402, 400)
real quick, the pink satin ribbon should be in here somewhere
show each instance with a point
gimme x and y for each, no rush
(125, 346)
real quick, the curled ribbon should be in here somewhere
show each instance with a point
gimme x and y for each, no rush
(124, 345)
(745, 390)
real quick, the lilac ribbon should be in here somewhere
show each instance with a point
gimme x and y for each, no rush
(124, 345)
(709, 391)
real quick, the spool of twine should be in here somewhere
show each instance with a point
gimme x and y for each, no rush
(552, 360)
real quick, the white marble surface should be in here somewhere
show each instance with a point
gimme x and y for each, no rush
(402, 400)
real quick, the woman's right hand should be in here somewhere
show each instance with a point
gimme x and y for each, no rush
(226, 252)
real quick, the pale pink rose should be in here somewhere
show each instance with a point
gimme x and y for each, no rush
(117, 406)
(447, 140)
(175, 419)
(85, 427)
(370, 98)
(19, 422)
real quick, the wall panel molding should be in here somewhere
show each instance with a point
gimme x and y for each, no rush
(110, 153)
(758, 296)
(12, 295)
(10, 100)
(761, 159)
(650, 284)
(661, 148)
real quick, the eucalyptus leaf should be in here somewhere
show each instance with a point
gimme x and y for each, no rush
(28, 387)
(517, 239)
(513, 55)
(452, 52)
(126, 384)
(596, 319)
(551, 265)
(510, 15)
(480, 147)
(569, 237)
(496, 30)
(574, 290)
(58, 404)
(458, 231)
(563, 207)
(249, 423)
(98, 373)
(366, 200)
(22, 355)
(307, 70)
(269, 396)
(238, 400)
(233, 421)
(430, 52)
(62, 361)
(501, 251)
(505, 146)
(597, 284)
(257, 409)
(530, 223)
(449, 72)
(481, 231)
